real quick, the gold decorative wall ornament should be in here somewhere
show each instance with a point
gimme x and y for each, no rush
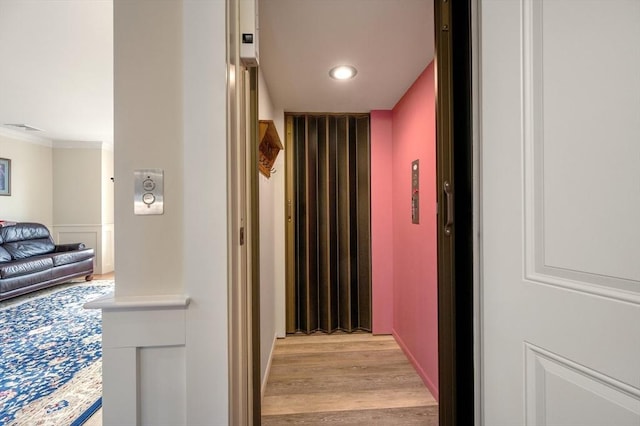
(269, 147)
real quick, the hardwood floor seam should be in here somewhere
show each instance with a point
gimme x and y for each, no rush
(345, 379)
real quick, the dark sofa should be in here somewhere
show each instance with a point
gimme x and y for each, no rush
(29, 260)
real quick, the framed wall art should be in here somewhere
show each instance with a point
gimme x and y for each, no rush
(5, 176)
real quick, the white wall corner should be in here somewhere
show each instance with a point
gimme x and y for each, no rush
(265, 377)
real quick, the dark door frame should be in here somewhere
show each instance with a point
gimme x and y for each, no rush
(455, 211)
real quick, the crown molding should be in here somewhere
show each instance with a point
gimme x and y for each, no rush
(26, 137)
(61, 144)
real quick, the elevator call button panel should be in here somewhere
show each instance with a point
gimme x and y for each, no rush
(415, 191)
(148, 195)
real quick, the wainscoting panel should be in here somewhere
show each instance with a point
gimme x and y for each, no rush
(163, 378)
(561, 392)
(148, 328)
(120, 390)
(97, 237)
(107, 255)
(144, 360)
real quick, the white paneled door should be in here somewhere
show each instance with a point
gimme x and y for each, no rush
(560, 212)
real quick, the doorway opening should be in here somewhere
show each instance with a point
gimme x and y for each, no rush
(453, 291)
(402, 231)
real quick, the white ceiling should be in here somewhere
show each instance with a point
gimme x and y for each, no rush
(57, 59)
(57, 68)
(390, 42)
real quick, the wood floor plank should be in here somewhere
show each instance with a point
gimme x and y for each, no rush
(322, 355)
(412, 416)
(345, 401)
(334, 337)
(335, 347)
(345, 379)
(282, 374)
(353, 382)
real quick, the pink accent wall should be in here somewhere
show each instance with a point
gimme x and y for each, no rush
(413, 247)
(415, 295)
(381, 222)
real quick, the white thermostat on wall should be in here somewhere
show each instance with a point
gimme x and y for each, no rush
(148, 191)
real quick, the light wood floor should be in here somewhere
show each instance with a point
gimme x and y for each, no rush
(354, 379)
(107, 276)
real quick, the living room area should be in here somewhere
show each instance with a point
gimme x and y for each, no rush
(57, 187)
(65, 186)
(57, 241)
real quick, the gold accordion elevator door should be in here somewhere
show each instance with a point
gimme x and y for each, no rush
(331, 220)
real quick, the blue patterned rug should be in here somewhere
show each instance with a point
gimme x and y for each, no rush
(51, 355)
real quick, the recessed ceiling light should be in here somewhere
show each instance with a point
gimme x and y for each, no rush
(343, 72)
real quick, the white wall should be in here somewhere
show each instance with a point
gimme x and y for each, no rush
(170, 113)
(205, 203)
(31, 180)
(149, 249)
(272, 285)
(77, 186)
(107, 184)
(107, 254)
(83, 198)
(279, 231)
(148, 134)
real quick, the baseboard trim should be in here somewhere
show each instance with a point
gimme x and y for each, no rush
(265, 379)
(423, 375)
